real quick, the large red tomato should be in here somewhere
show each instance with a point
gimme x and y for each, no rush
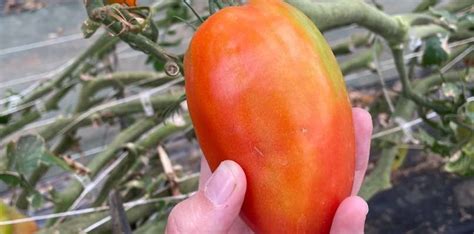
(265, 90)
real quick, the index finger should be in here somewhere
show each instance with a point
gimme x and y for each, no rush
(363, 132)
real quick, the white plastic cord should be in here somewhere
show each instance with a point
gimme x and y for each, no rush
(406, 125)
(127, 205)
(35, 45)
(118, 102)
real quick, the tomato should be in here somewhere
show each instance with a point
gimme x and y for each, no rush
(264, 89)
(10, 213)
(126, 2)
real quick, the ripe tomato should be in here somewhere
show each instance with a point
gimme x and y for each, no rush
(126, 2)
(264, 89)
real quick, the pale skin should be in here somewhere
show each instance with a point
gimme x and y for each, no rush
(216, 205)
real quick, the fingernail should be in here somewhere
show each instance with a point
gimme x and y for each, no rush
(220, 186)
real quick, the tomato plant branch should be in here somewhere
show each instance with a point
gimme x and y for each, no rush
(104, 42)
(116, 80)
(151, 139)
(134, 214)
(65, 199)
(379, 178)
(408, 91)
(329, 15)
(35, 112)
(348, 46)
(364, 60)
(425, 5)
(455, 5)
(104, 14)
(158, 102)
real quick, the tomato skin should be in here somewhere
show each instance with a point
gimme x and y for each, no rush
(126, 2)
(10, 213)
(264, 89)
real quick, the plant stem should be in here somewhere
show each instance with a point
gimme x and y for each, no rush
(50, 131)
(348, 46)
(361, 61)
(65, 198)
(408, 92)
(34, 114)
(104, 41)
(329, 15)
(152, 138)
(379, 178)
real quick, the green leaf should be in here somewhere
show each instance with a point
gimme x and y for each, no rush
(11, 178)
(444, 15)
(435, 52)
(468, 111)
(442, 148)
(451, 90)
(50, 159)
(425, 138)
(469, 17)
(463, 161)
(176, 12)
(36, 200)
(435, 145)
(30, 152)
(158, 65)
(4, 119)
(89, 27)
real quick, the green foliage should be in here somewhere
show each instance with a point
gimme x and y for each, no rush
(436, 51)
(89, 27)
(30, 152)
(462, 162)
(4, 119)
(21, 159)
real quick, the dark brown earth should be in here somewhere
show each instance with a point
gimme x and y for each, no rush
(424, 199)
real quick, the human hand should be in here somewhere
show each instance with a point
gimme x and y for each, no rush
(216, 206)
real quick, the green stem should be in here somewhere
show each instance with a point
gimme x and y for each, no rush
(379, 178)
(408, 92)
(348, 46)
(64, 199)
(329, 15)
(105, 41)
(50, 131)
(362, 61)
(34, 114)
(425, 5)
(100, 13)
(117, 80)
(152, 139)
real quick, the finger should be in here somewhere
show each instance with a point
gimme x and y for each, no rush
(363, 133)
(240, 227)
(205, 173)
(350, 216)
(215, 207)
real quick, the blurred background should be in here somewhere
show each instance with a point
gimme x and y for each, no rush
(41, 39)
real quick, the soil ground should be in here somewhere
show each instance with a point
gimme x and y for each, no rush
(424, 199)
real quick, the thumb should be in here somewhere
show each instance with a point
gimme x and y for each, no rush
(350, 216)
(215, 207)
